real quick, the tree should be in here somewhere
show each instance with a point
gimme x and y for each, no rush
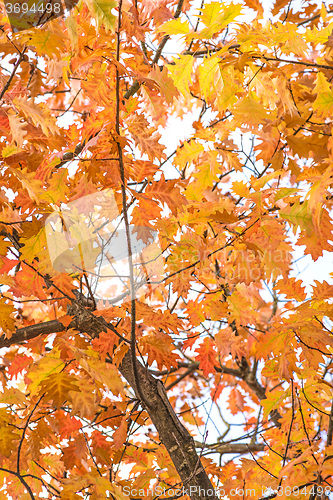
(103, 383)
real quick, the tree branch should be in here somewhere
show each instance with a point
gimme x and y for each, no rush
(9, 81)
(231, 448)
(173, 434)
(136, 85)
(31, 332)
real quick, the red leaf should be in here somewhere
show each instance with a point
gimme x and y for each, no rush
(19, 363)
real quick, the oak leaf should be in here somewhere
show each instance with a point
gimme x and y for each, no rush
(57, 386)
(7, 322)
(206, 356)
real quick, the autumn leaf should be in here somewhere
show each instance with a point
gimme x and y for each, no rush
(167, 192)
(323, 104)
(145, 137)
(175, 27)
(105, 373)
(85, 399)
(18, 129)
(105, 343)
(207, 134)
(255, 5)
(19, 364)
(159, 347)
(181, 73)
(165, 83)
(119, 435)
(217, 16)
(298, 214)
(188, 153)
(236, 401)
(37, 115)
(102, 10)
(292, 288)
(7, 439)
(206, 356)
(42, 369)
(69, 425)
(7, 322)
(209, 75)
(57, 386)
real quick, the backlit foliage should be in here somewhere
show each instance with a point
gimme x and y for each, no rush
(86, 101)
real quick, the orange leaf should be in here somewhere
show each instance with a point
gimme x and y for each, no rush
(206, 356)
(120, 434)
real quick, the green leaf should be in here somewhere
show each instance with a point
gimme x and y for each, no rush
(299, 216)
(101, 10)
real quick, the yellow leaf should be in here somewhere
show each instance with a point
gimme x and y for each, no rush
(181, 73)
(12, 396)
(260, 183)
(210, 13)
(56, 387)
(323, 104)
(289, 37)
(7, 436)
(209, 75)
(71, 24)
(41, 369)
(164, 82)
(319, 35)
(216, 16)
(240, 188)
(189, 153)
(298, 215)
(105, 373)
(47, 40)
(29, 182)
(9, 150)
(226, 98)
(7, 322)
(207, 174)
(101, 9)
(174, 27)
(250, 110)
(34, 246)
(85, 400)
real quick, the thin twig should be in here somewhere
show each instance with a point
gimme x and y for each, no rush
(9, 81)
(23, 434)
(125, 215)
